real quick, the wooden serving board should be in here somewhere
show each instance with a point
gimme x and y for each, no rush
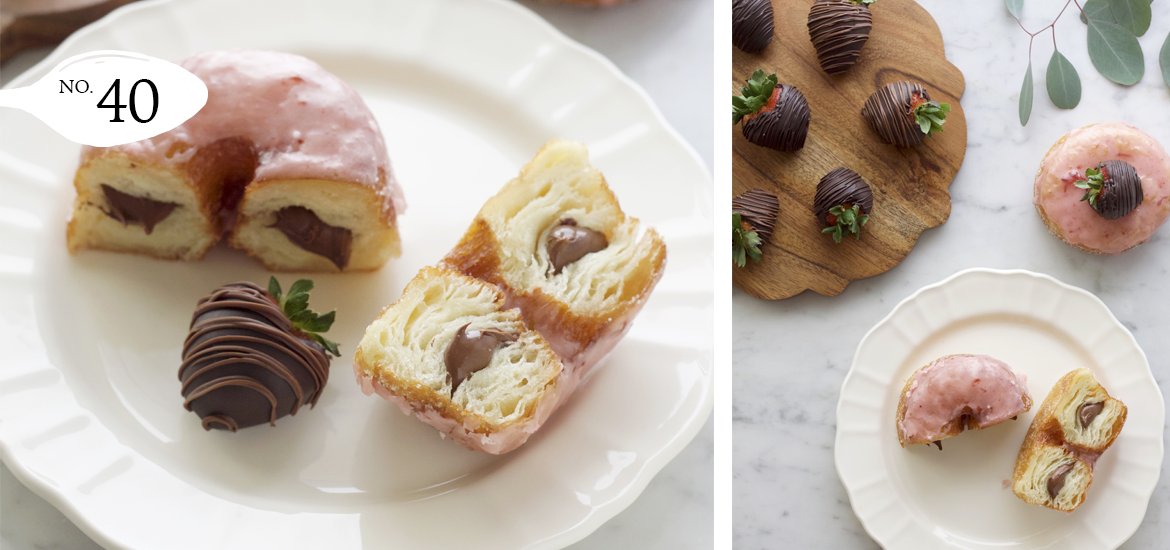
(28, 24)
(910, 186)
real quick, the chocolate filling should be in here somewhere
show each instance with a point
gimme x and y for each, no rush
(1056, 482)
(307, 231)
(1089, 412)
(129, 209)
(471, 352)
(939, 443)
(568, 243)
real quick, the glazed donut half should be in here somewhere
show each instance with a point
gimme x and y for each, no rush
(285, 159)
(957, 393)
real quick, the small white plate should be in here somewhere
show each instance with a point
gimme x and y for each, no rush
(920, 498)
(465, 91)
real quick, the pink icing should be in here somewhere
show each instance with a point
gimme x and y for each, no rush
(1084, 148)
(304, 121)
(981, 386)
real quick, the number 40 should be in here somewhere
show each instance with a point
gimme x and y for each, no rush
(117, 106)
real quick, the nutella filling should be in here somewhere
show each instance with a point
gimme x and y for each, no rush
(129, 209)
(1089, 411)
(307, 231)
(1056, 482)
(568, 243)
(471, 351)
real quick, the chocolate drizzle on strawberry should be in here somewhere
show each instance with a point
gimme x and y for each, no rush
(752, 24)
(1113, 189)
(890, 112)
(842, 187)
(759, 209)
(838, 29)
(784, 127)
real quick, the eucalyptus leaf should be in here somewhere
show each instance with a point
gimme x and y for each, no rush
(1064, 84)
(1132, 15)
(1015, 7)
(1026, 97)
(1100, 10)
(1097, 10)
(1116, 53)
(1164, 60)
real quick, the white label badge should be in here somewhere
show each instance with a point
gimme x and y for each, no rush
(106, 98)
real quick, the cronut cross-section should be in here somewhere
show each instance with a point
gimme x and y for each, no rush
(582, 304)
(406, 357)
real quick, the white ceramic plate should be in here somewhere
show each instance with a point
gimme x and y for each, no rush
(920, 498)
(466, 91)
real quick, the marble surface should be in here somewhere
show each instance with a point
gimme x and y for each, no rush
(666, 46)
(791, 356)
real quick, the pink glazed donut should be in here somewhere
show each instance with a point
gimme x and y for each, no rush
(1058, 199)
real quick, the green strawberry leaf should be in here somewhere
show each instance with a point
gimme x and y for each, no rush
(295, 306)
(931, 116)
(274, 289)
(745, 243)
(753, 96)
(1093, 184)
(849, 221)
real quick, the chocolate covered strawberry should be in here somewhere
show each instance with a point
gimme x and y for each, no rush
(753, 218)
(752, 24)
(903, 114)
(838, 30)
(1113, 189)
(843, 202)
(773, 115)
